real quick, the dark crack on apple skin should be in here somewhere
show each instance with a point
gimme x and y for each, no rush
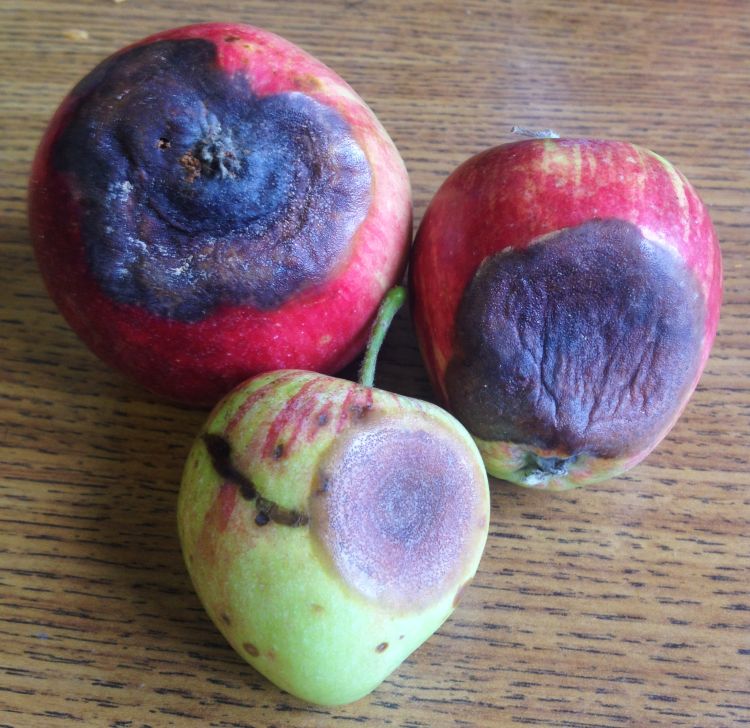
(581, 343)
(197, 193)
(220, 453)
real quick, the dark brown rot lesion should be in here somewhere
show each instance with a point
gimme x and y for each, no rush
(220, 453)
(195, 192)
(582, 343)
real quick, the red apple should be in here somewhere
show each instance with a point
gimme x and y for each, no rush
(566, 295)
(212, 202)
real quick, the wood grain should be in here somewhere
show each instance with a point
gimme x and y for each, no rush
(627, 604)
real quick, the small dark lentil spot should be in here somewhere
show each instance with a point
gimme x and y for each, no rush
(322, 419)
(163, 143)
(251, 649)
(231, 39)
(324, 485)
(317, 608)
(382, 647)
(401, 637)
(359, 410)
(262, 518)
(278, 451)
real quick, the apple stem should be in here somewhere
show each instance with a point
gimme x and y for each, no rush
(389, 307)
(534, 133)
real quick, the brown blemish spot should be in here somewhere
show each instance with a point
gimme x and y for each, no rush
(251, 649)
(278, 451)
(271, 654)
(382, 647)
(307, 82)
(225, 618)
(317, 608)
(460, 593)
(231, 38)
(192, 166)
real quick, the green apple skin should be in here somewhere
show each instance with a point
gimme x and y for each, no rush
(302, 603)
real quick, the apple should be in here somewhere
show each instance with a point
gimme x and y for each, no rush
(212, 202)
(329, 527)
(566, 295)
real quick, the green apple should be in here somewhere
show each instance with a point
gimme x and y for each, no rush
(329, 527)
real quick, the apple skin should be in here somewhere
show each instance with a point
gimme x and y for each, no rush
(515, 198)
(316, 620)
(197, 353)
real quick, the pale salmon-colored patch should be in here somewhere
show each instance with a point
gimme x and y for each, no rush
(215, 522)
(227, 500)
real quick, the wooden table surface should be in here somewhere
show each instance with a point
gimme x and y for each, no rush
(627, 604)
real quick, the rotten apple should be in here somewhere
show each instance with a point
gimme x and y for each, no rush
(330, 527)
(566, 295)
(212, 202)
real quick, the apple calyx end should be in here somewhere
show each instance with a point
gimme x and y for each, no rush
(539, 470)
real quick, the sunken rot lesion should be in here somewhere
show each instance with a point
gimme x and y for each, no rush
(586, 342)
(197, 193)
(400, 511)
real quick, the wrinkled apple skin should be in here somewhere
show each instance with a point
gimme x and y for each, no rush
(517, 196)
(301, 613)
(209, 331)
